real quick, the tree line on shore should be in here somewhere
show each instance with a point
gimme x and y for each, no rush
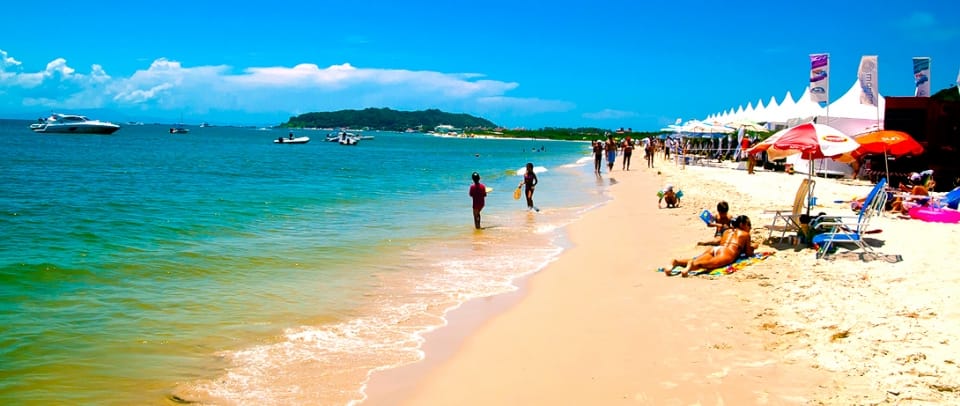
(386, 119)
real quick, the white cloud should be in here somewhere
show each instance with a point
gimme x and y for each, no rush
(167, 85)
(7, 60)
(610, 114)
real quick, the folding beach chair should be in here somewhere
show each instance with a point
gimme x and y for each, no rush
(840, 229)
(952, 198)
(788, 220)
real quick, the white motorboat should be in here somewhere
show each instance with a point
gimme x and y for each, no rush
(344, 138)
(292, 140)
(73, 124)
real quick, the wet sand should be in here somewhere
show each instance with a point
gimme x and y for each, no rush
(600, 326)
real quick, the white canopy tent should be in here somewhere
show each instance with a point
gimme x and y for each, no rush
(847, 114)
(772, 110)
(823, 167)
(787, 106)
(758, 111)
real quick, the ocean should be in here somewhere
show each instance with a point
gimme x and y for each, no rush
(146, 267)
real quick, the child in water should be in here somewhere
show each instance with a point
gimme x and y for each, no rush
(479, 194)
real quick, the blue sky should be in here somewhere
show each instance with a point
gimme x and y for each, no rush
(605, 64)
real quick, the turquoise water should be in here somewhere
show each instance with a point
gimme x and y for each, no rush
(217, 266)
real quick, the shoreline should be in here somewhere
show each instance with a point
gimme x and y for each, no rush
(524, 352)
(598, 326)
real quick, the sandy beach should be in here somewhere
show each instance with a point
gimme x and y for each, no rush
(601, 326)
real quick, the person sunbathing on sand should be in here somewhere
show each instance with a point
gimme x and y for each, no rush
(733, 242)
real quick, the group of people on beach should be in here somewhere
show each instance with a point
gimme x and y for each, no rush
(608, 149)
(478, 192)
(732, 234)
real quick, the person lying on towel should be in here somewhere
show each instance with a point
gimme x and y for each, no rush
(733, 242)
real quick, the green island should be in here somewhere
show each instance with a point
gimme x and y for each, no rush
(385, 119)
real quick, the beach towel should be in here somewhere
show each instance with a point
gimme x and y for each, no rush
(737, 265)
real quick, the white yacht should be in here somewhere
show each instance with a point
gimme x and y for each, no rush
(344, 138)
(73, 124)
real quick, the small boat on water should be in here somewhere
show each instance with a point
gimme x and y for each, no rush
(291, 140)
(344, 138)
(179, 129)
(73, 124)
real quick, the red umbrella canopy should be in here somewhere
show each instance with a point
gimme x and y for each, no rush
(811, 141)
(896, 143)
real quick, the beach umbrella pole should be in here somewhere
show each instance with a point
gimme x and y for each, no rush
(809, 179)
(886, 164)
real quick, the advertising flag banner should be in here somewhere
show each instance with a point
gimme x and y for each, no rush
(868, 80)
(819, 78)
(921, 76)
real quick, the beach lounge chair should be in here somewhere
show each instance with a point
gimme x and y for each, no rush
(950, 199)
(788, 220)
(846, 229)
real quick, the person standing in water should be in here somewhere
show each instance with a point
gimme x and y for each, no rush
(529, 182)
(478, 191)
(597, 156)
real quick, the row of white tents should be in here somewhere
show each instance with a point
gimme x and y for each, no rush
(846, 114)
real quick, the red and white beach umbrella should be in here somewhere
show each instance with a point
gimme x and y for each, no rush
(811, 141)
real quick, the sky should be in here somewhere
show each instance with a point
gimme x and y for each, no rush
(520, 64)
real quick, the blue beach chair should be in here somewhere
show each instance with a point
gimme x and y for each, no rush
(839, 229)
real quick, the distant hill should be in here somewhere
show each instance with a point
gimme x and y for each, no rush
(386, 119)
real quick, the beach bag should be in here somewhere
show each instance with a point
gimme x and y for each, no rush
(516, 194)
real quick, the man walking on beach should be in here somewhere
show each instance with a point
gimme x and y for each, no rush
(611, 147)
(649, 154)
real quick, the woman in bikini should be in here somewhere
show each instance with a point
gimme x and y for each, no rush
(733, 242)
(529, 183)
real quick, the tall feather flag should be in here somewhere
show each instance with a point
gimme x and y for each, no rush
(819, 78)
(921, 76)
(868, 80)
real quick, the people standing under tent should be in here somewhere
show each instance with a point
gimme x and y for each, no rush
(744, 145)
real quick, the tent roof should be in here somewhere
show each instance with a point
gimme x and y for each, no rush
(805, 107)
(848, 105)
